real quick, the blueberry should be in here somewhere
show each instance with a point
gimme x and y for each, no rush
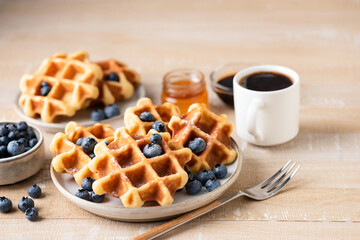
(211, 184)
(83, 194)
(112, 77)
(27, 149)
(96, 198)
(220, 171)
(33, 142)
(112, 110)
(4, 131)
(146, 117)
(107, 143)
(31, 133)
(97, 115)
(152, 150)
(31, 214)
(3, 152)
(197, 145)
(34, 191)
(22, 126)
(4, 141)
(159, 126)
(44, 84)
(25, 203)
(15, 148)
(155, 138)
(79, 141)
(5, 204)
(23, 141)
(191, 176)
(45, 90)
(14, 135)
(92, 155)
(204, 175)
(11, 126)
(25, 134)
(193, 187)
(88, 144)
(87, 183)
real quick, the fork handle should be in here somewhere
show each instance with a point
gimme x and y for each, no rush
(168, 226)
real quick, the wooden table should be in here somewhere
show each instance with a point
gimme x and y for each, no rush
(319, 39)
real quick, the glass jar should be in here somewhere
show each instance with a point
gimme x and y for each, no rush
(184, 87)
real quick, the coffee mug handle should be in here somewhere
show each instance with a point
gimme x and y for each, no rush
(251, 125)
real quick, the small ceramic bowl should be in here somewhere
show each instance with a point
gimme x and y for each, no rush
(17, 168)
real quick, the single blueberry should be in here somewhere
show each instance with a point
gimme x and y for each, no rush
(31, 133)
(25, 203)
(44, 84)
(45, 90)
(220, 171)
(152, 150)
(3, 152)
(15, 148)
(88, 144)
(146, 117)
(193, 187)
(27, 149)
(33, 142)
(204, 175)
(22, 126)
(112, 110)
(197, 145)
(10, 126)
(5, 204)
(112, 77)
(4, 131)
(191, 176)
(107, 143)
(14, 135)
(155, 138)
(4, 141)
(96, 198)
(97, 115)
(34, 191)
(92, 155)
(83, 194)
(211, 184)
(87, 183)
(23, 141)
(79, 141)
(25, 134)
(159, 126)
(31, 214)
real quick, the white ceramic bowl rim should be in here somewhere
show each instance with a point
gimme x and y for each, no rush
(40, 140)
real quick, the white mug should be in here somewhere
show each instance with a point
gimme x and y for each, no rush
(267, 118)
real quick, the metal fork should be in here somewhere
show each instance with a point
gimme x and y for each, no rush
(262, 191)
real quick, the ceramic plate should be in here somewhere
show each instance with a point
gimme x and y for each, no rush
(82, 117)
(112, 208)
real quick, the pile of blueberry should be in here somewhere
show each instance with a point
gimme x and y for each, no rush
(153, 149)
(45, 88)
(109, 111)
(206, 178)
(26, 204)
(86, 192)
(149, 117)
(88, 145)
(16, 139)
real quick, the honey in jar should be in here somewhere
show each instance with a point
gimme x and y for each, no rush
(184, 87)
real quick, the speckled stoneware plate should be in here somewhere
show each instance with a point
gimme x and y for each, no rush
(112, 208)
(82, 117)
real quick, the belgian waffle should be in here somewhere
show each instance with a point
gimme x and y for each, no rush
(69, 157)
(215, 130)
(162, 113)
(112, 91)
(127, 174)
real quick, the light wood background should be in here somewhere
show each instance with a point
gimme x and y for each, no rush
(319, 39)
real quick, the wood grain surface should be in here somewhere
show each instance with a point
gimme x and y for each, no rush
(318, 39)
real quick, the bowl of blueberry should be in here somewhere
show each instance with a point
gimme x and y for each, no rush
(21, 151)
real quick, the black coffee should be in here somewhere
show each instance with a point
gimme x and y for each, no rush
(265, 81)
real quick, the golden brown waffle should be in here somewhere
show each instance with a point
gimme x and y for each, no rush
(215, 130)
(69, 157)
(127, 174)
(73, 80)
(111, 91)
(162, 113)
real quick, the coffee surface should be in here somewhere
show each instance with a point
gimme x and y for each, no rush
(265, 81)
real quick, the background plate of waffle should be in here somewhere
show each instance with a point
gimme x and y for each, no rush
(82, 116)
(113, 208)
